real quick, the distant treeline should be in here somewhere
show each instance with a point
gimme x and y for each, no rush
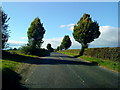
(104, 53)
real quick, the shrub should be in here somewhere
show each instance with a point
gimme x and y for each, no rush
(34, 51)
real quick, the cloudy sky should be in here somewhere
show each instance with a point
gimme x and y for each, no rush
(59, 18)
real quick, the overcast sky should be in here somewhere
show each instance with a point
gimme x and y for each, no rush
(58, 18)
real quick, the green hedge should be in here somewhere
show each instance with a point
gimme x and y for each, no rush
(104, 53)
(36, 51)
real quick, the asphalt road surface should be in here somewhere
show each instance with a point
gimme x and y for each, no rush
(62, 71)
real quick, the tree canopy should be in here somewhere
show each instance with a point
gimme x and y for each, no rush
(35, 33)
(66, 42)
(4, 28)
(85, 31)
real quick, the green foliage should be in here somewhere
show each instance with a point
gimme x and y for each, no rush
(34, 51)
(35, 33)
(85, 31)
(26, 49)
(49, 47)
(4, 28)
(66, 42)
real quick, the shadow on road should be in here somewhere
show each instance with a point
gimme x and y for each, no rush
(51, 60)
(59, 62)
(63, 56)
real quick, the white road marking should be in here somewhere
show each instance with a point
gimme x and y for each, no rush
(26, 80)
(77, 76)
(60, 58)
(75, 73)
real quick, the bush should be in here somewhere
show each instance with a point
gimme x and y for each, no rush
(34, 51)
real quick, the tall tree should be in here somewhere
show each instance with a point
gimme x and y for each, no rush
(4, 28)
(85, 32)
(49, 47)
(35, 33)
(66, 42)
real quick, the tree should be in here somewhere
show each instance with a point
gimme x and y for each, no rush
(85, 32)
(15, 49)
(35, 33)
(66, 42)
(49, 47)
(58, 48)
(4, 28)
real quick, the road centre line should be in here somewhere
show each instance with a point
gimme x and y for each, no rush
(61, 58)
(83, 82)
(26, 80)
(74, 72)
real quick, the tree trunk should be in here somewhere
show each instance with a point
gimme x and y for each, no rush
(81, 52)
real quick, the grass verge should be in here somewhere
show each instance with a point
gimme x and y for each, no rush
(10, 64)
(101, 62)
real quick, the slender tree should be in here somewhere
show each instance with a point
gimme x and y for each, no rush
(35, 33)
(4, 28)
(66, 42)
(85, 32)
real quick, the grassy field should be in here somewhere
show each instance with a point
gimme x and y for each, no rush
(101, 62)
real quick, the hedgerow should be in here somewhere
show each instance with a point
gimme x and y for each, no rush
(104, 53)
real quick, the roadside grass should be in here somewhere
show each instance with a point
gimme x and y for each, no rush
(10, 77)
(101, 62)
(19, 53)
(10, 64)
(13, 59)
(14, 55)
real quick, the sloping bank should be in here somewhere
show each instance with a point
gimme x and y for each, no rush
(15, 68)
(106, 57)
